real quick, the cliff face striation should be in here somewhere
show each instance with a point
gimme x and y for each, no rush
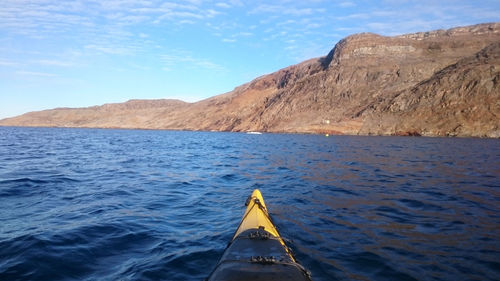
(437, 83)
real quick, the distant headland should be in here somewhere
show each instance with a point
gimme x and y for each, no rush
(436, 83)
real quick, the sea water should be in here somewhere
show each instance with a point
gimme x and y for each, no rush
(91, 204)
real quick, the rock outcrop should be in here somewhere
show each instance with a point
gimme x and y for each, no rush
(438, 83)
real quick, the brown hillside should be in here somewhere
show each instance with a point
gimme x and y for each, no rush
(434, 83)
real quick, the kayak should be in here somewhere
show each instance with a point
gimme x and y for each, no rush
(257, 250)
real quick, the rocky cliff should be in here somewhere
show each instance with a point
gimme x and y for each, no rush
(437, 83)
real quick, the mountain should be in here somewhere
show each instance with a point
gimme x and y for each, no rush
(436, 83)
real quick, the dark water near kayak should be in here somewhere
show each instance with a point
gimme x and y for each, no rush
(84, 204)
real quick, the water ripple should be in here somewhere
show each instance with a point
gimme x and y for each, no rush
(85, 204)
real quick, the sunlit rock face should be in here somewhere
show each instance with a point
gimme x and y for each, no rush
(437, 83)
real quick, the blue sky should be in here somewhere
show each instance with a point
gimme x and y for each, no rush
(56, 53)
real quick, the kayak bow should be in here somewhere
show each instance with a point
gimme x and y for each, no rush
(257, 250)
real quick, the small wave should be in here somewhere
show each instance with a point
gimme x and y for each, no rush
(229, 177)
(62, 179)
(22, 187)
(24, 180)
(79, 252)
(355, 207)
(375, 266)
(416, 204)
(394, 214)
(197, 263)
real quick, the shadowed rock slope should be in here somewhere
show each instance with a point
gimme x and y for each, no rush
(438, 83)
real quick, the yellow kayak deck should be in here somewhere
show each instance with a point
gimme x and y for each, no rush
(257, 251)
(257, 217)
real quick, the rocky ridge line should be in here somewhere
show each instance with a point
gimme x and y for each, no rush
(437, 83)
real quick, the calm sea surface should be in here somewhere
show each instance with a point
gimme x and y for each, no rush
(85, 204)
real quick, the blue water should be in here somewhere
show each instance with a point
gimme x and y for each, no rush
(88, 204)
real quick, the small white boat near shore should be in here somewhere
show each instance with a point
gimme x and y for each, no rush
(254, 133)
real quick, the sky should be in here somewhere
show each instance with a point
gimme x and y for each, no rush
(58, 53)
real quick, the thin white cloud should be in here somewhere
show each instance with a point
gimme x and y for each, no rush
(44, 19)
(35, 73)
(207, 64)
(355, 16)
(186, 22)
(177, 6)
(301, 11)
(418, 16)
(346, 29)
(9, 63)
(347, 4)
(223, 5)
(195, 2)
(265, 8)
(123, 4)
(109, 49)
(184, 15)
(210, 13)
(313, 25)
(234, 38)
(236, 3)
(53, 63)
(286, 9)
(229, 4)
(178, 59)
(288, 22)
(109, 26)
(27, 17)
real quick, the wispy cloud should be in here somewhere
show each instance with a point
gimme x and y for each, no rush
(355, 16)
(35, 73)
(124, 4)
(9, 63)
(59, 42)
(175, 11)
(77, 20)
(109, 49)
(229, 4)
(413, 16)
(223, 5)
(347, 4)
(36, 17)
(234, 37)
(286, 9)
(53, 63)
(178, 14)
(179, 59)
(184, 22)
